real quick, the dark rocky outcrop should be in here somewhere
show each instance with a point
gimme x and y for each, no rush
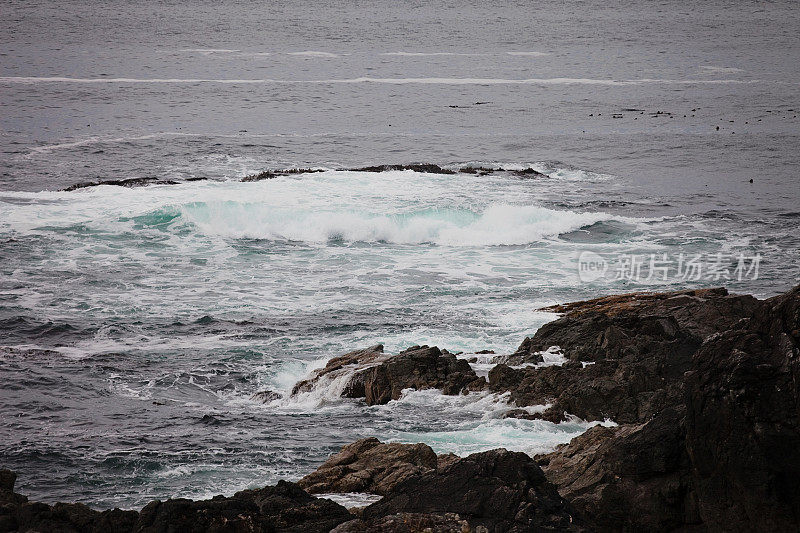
(379, 378)
(7, 481)
(497, 490)
(340, 365)
(128, 182)
(428, 168)
(638, 324)
(716, 446)
(18, 514)
(282, 508)
(285, 507)
(408, 523)
(419, 367)
(633, 477)
(271, 174)
(265, 175)
(638, 346)
(528, 173)
(368, 465)
(743, 421)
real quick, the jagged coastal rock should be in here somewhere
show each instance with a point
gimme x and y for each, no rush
(704, 386)
(627, 353)
(629, 477)
(743, 420)
(716, 445)
(379, 377)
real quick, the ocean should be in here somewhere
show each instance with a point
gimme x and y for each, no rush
(137, 323)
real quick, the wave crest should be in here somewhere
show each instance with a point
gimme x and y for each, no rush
(497, 225)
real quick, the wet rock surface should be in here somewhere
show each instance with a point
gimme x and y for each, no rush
(743, 421)
(285, 507)
(266, 396)
(428, 168)
(341, 366)
(639, 346)
(497, 490)
(368, 465)
(634, 476)
(128, 182)
(18, 514)
(380, 378)
(714, 447)
(667, 325)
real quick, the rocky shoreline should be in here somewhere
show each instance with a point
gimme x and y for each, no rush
(704, 387)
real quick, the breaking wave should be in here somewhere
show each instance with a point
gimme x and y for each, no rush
(497, 225)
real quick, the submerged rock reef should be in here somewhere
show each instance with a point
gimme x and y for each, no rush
(704, 386)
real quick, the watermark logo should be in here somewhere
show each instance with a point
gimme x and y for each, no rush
(655, 268)
(591, 266)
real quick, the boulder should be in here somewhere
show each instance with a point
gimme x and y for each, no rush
(339, 366)
(368, 465)
(379, 377)
(266, 396)
(497, 490)
(419, 367)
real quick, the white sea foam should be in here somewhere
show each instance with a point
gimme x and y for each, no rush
(528, 54)
(314, 53)
(553, 356)
(529, 436)
(712, 69)
(480, 405)
(326, 391)
(480, 424)
(209, 51)
(316, 208)
(428, 54)
(351, 500)
(500, 224)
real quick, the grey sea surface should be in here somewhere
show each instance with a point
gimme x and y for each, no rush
(136, 323)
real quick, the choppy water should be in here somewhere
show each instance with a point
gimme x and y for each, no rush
(137, 323)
